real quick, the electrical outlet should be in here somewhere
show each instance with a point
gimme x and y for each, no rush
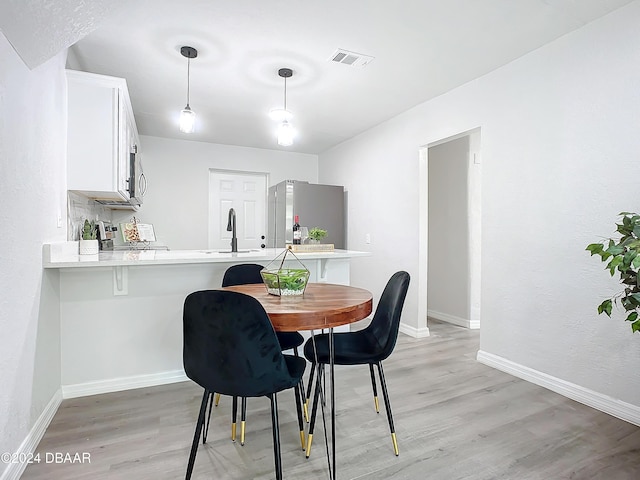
(367, 238)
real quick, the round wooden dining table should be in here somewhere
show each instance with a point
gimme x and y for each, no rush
(323, 306)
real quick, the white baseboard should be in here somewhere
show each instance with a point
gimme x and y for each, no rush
(461, 322)
(414, 332)
(122, 383)
(30, 443)
(622, 410)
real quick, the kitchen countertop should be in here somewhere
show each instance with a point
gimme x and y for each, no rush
(65, 255)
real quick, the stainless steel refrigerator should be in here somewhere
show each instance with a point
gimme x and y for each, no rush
(316, 205)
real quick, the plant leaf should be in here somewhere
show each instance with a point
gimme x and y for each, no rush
(615, 261)
(595, 248)
(615, 250)
(628, 303)
(629, 277)
(628, 258)
(632, 317)
(605, 307)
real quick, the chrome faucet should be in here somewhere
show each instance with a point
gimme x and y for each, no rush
(231, 227)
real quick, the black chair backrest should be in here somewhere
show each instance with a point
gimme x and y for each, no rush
(230, 346)
(242, 274)
(386, 320)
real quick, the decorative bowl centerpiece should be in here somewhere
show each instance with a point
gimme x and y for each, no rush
(285, 281)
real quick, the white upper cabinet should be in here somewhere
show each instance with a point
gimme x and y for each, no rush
(103, 157)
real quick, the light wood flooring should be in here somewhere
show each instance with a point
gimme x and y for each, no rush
(455, 419)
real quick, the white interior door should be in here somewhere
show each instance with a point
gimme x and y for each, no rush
(246, 193)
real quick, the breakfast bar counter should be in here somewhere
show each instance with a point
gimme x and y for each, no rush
(65, 255)
(121, 311)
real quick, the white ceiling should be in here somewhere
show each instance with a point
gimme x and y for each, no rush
(422, 48)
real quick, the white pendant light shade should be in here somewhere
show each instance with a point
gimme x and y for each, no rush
(285, 134)
(187, 120)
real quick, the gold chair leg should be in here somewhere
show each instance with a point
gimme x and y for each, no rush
(375, 389)
(306, 410)
(234, 416)
(217, 399)
(243, 417)
(302, 439)
(395, 444)
(309, 440)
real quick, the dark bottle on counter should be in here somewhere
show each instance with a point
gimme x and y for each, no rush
(297, 233)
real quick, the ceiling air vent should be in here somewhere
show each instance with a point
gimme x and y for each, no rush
(350, 58)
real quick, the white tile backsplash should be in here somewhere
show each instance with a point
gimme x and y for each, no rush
(80, 207)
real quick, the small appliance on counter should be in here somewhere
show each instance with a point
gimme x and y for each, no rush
(106, 234)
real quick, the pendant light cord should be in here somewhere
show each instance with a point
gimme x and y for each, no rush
(285, 93)
(188, 78)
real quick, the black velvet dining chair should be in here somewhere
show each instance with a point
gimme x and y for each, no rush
(242, 274)
(369, 346)
(246, 273)
(230, 347)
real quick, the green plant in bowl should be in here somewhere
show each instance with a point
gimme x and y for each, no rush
(285, 281)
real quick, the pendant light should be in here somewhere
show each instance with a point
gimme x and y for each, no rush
(285, 129)
(188, 116)
(285, 134)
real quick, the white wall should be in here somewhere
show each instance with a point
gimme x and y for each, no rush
(32, 195)
(178, 176)
(448, 237)
(560, 150)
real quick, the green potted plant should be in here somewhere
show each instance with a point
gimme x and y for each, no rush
(623, 256)
(316, 234)
(89, 238)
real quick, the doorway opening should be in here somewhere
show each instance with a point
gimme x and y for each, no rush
(246, 193)
(451, 215)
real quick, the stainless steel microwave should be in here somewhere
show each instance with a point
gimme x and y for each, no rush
(136, 185)
(137, 182)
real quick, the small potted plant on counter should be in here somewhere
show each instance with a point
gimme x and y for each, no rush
(316, 234)
(89, 238)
